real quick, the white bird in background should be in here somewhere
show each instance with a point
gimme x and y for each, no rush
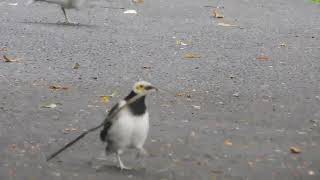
(130, 127)
(64, 4)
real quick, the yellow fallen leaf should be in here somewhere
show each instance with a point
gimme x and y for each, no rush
(76, 66)
(192, 55)
(180, 42)
(228, 142)
(283, 44)
(295, 150)
(226, 25)
(105, 99)
(217, 13)
(49, 105)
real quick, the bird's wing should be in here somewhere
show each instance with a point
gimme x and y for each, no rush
(111, 117)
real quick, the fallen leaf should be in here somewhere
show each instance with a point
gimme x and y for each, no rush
(146, 67)
(13, 147)
(115, 93)
(226, 25)
(182, 94)
(13, 4)
(283, 44)
(196, 107)
(236, 94)
(130, 11)
(263, 58)
(192, 55)
(7, 59)
(105, 99)
(311, 173)
(4, 49)
(58, 87)
(250, 163)
(76, 66)
(228, 142)
(295, 150)
(68, 130)
(217, 13)
(138, 1)
(180, 42)
(49, 105)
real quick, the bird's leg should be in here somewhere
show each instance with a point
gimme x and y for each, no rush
(122, 166)
(65, 15)
(141, 152)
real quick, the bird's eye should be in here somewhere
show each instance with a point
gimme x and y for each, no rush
(140, 86)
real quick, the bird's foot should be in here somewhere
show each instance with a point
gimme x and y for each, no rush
(70, 23)
(123, 167)
(142, 153)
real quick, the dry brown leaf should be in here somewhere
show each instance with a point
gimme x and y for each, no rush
(7, 59)
(295, 150)
(76, 66)
(192, 55)
(138, 1)
(4, 49)
(13, 147)
(217, 13)
(58, 87)
(228, 142)
(183, 94)
(263, 58)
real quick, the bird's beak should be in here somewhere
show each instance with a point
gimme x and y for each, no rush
(151, 88)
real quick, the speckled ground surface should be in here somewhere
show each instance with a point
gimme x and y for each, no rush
(233, 113)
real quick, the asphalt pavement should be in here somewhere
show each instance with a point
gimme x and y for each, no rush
(240, 94)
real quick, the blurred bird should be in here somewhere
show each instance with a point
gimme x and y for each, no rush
(130, 127)
(64, 4)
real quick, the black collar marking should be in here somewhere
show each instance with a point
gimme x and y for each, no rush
(139, 106)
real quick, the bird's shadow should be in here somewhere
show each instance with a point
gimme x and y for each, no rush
(116, 170)
(61, 24)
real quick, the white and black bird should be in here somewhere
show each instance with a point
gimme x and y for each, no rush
(64, 4)
(130, 127)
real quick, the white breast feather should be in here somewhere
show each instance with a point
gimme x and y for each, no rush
(129, 130)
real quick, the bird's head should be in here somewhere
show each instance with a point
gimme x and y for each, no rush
(143, 88)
